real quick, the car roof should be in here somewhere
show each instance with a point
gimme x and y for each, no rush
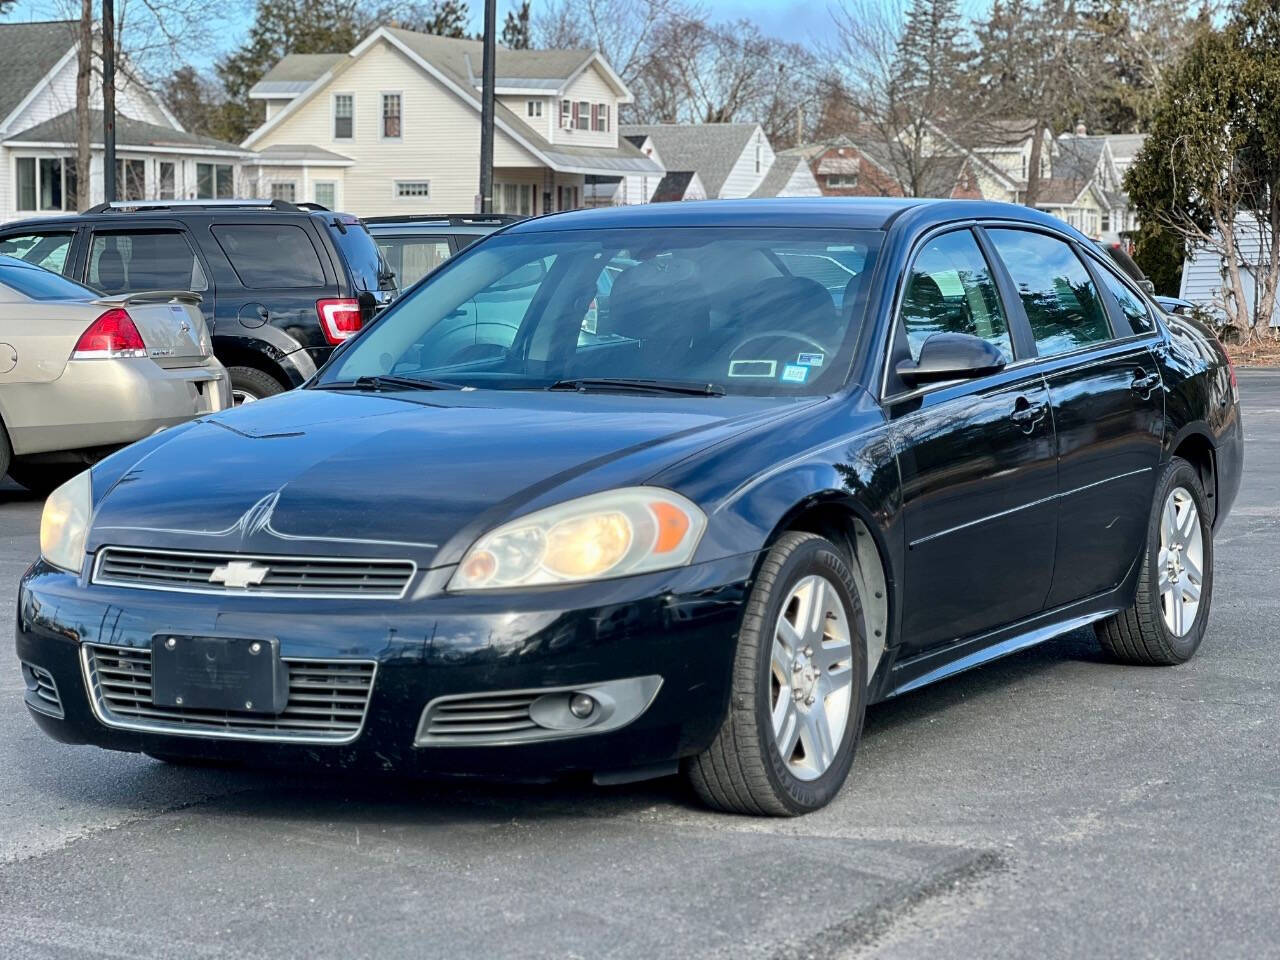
(860, 213)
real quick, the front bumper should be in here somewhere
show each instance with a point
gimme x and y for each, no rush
(678, 625)
(102, 403)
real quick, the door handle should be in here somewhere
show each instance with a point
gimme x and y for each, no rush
(1027, 414)
(1144, 382)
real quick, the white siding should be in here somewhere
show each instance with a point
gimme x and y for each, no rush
(520, 107)
(440, 140)
(592, 87)
(1203, 281)
(744, 178)
(59, 96)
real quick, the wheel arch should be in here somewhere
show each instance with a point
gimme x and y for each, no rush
(847, 522)
(1194, 444)
(239, 352)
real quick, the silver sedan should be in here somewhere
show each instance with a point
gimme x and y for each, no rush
(82, 374)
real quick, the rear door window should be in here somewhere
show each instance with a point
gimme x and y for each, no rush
(271, 255)
(127, 261)
(1132, 306)
(411, 258)
(1062, 304)
(48, 250)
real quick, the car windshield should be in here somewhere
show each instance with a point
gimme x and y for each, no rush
(39, 284)
(760, 310)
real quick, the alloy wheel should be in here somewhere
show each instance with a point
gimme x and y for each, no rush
(1181, 561)
(810, 675)
(241, 397)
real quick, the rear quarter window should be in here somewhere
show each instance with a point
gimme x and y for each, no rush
(271, 255)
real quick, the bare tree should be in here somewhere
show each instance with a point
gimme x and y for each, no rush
(906, 83)
(84, 73)
(622, 30)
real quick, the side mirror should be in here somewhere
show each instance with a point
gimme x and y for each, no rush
(951, 356)
(1148, 286)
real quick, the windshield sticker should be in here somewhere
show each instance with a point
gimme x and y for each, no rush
(792, 373)
(810, 359)
(753, 368)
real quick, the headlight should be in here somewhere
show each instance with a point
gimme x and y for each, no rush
(610, 534)
(64, 525)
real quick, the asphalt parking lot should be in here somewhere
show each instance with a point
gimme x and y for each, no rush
(1050, 804)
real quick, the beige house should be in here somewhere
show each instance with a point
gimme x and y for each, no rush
(393, 127)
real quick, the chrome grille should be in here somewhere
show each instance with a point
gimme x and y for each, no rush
(42, 691)
(285, 576)
(327, 701)
(478, 717)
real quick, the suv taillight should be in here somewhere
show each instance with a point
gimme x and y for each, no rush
(111, 336)
(339, 319)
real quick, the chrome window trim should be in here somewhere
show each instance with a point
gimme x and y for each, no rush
(95, 577)
(1144, 339)
(178, 729)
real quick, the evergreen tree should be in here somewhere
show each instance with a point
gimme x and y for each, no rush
(515, 32)
(280, 27)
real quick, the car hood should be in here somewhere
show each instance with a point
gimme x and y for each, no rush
(398, 474)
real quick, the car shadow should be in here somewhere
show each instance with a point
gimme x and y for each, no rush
(387, 799)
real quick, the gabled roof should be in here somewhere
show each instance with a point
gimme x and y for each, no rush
(1078, 157)
(292, 75)
(785, 165)
(1125, 146)
(711, 149)
(674, 186)
(62, 130)
(28, 52)
(449, 61)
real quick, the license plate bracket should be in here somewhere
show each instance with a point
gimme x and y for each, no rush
(236, 674)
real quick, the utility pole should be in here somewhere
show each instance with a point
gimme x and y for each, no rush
(108, 100)
(486, 106)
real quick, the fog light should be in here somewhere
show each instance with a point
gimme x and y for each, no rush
(581, 705)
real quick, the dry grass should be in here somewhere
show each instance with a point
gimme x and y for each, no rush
(1262, 353)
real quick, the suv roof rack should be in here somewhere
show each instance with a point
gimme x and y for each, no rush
(312, 206)
(131, 206)
(452, 219)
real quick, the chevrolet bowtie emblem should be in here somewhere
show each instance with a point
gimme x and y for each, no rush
(239, 574)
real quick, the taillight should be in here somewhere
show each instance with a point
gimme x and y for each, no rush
(339, 319)
(111, 336)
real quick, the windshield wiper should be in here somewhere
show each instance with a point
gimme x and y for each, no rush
(385, 381)
(686, 388)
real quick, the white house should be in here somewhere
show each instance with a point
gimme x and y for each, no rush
(730, 159)
(393, 126)
(155, 157)
(1205, 274)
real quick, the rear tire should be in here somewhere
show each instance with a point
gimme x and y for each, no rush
(798, 691)
(1167, 621)
(43, 478)
(249, 384)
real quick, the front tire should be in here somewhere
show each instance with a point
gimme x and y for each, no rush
(1167, 621)
(43, 478)
(798, 692)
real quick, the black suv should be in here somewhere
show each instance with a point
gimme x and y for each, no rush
(283, 284)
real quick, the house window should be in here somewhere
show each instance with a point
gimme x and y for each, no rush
(582, 119)
(326, 193)
(600, 116)
(1106, 221)
(533, 108)
(284, 190)
(344, 108)
(413, 188)
(566, 114)
(45, 184)
(131, 179)
(391, 116)
(168, 180)
(214, 181)
(842, 180)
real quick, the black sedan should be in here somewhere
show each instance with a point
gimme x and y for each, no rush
(803, 456)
